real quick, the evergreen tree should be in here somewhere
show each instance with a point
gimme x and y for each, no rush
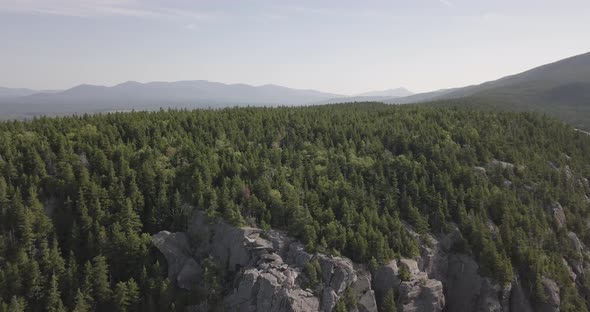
(100, 280)
(81, 302)
(120, 297)
(389, 304)
(54, 303)
(17, 304)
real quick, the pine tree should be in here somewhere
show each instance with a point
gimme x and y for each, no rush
(70, 280)
(340, 307)
(133, 294)
(87, 282)
(54, 303)
(128, 218)
(389, 302)
(82, 302)
(100, 279)
(23, 220)
(120, 297)
(17, 304)
(404, 272)
(34, 281)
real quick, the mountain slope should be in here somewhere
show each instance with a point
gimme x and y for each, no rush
(561, 89)
(15, 92)
(153, 95)
(493, 207)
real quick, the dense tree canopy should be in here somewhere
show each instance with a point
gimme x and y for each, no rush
(80, 196)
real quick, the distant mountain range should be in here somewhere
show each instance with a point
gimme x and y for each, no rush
(8, 92)
(398, 92)
(17, 92)
(21, 103)
(561, 89)
(153, 95)
(373, 96)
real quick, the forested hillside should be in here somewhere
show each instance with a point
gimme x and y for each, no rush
(560, 89)
(81, 196)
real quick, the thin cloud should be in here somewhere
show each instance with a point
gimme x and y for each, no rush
(446, 2)
(192, 27)
(99, 8)
(275, 17)
(343, 12)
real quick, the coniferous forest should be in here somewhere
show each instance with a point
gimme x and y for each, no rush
(81, 196)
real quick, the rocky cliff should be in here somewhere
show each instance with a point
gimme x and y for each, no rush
(269, 271)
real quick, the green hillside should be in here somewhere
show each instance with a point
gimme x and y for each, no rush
(560, 89)
(79, 195)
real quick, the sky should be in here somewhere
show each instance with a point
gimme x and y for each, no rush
(338, 46)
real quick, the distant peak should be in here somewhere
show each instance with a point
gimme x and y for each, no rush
(393, 92)
(129, 83)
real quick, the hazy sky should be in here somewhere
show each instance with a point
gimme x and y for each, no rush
(340, 46)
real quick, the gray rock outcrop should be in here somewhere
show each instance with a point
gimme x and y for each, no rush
(267, 266)
(558, 214)
(551, 291)
(418, 294)
(266, 273)
(182, 267)
(465, 289)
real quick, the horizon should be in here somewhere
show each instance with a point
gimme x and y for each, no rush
(340, 47)
(359, 94)
(205, 80)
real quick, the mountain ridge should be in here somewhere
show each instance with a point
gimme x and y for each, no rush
(129, 95)
(560, 89)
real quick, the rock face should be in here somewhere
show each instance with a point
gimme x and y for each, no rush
(558, 214)
(267, 268)
(182, 268)
(266, 273)
(463, 287)
(553, 300)
(419, 293)
(467, 290)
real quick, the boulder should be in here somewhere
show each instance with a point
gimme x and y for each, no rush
(229, 246)
(329, 299)
(570, 271)
(576, 242)
(361, 289)
(411, 264)
(362, 284)
(189, 275)
(421, 295)
(367, 302)
(386, 278)
(303, 301)
(266, 298)
(481, 171)
(558, 214)
(502, 164)
(297, 255)
(552, 298)
(279, 240)
(182, 268)
(418, 294)
(342, 274)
